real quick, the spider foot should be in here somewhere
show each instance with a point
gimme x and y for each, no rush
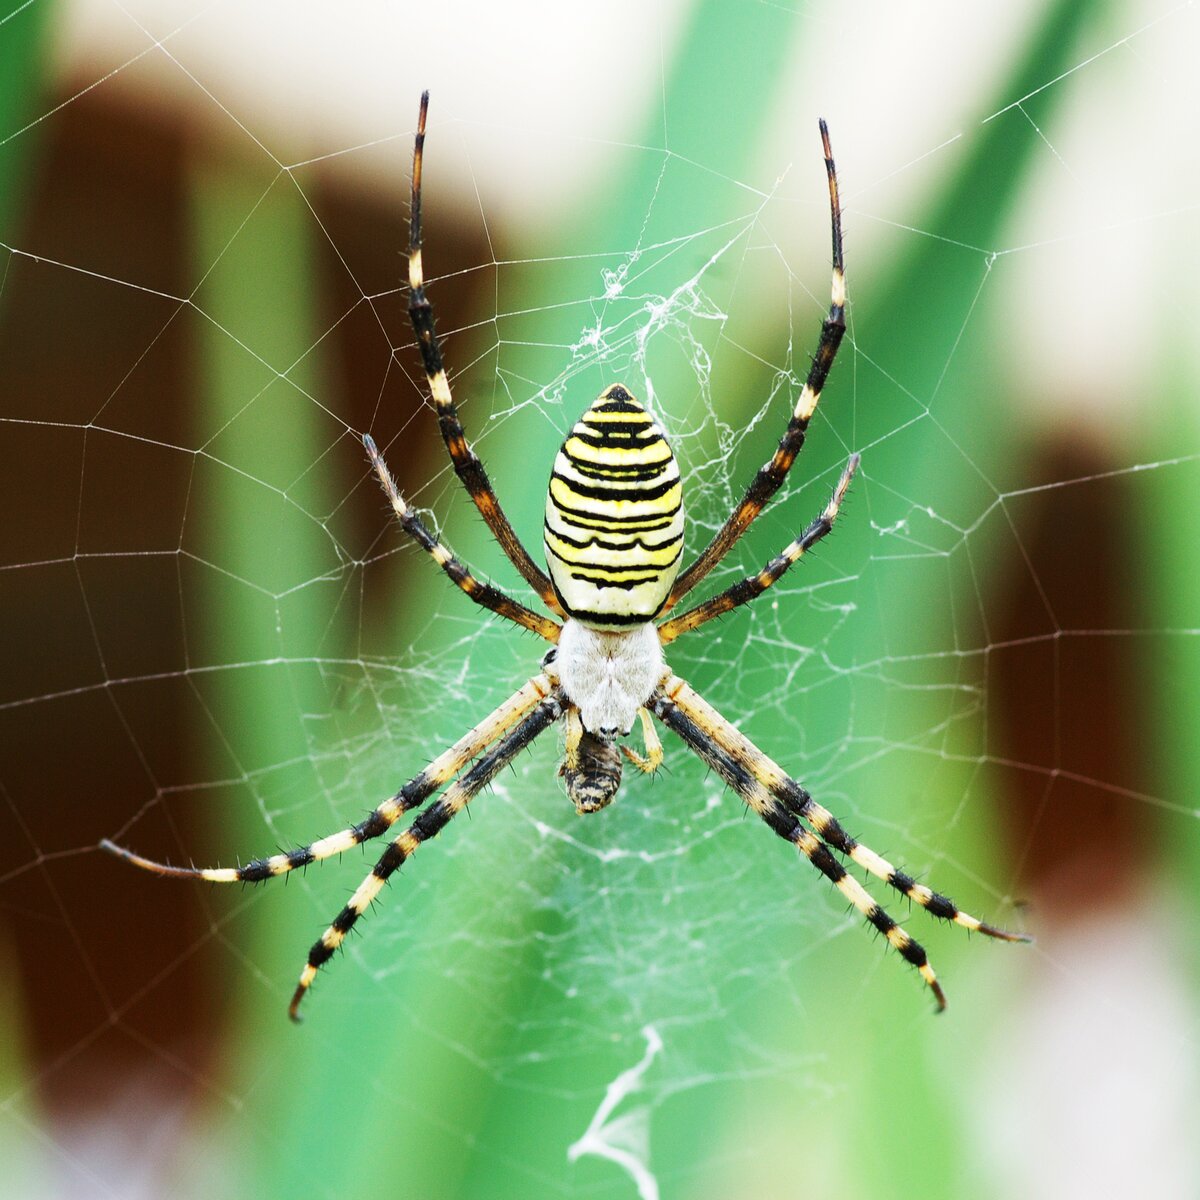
(649, 762)
(1004, 935)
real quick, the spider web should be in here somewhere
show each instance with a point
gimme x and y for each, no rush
(220, 644)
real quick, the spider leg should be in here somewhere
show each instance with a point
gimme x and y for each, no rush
(753, 586)
(649, 762)
(797, 800)
(425, 826)
(413, 794)
(574, 736)
(484, 594)
(467, 466)
(773, 472)
(666, 705)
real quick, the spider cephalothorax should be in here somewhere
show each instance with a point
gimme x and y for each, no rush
(607, 677)
(613, 536)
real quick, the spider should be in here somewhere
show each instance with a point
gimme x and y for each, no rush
(613, 536)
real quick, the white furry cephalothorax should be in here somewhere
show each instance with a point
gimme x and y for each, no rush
(608, 674)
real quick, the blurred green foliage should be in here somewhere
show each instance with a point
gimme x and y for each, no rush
(728, 66)
(438, 1117)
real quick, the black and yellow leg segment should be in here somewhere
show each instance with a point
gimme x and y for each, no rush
(773, 472)
(789, 827)
(412, 795)
(753, 586)
(797, 800)
(484, 594)
(467, 466)
(425, 826)
(671, 703)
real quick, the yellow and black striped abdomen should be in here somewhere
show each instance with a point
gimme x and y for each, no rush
(614, 515)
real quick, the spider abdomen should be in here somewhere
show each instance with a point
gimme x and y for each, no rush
(614, 515)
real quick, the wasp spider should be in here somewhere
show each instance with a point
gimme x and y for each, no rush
(613, 538)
